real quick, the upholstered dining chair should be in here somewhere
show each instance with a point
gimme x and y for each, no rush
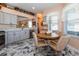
(38, 43)
(59, 46)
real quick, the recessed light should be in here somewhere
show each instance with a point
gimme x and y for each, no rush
(33, 8)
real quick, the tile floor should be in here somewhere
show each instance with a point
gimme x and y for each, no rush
(26, 48)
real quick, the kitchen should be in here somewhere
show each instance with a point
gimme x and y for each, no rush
(30, 29)
(14, 24)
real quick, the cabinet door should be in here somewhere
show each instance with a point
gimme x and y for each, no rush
(17, 35)
(13, 19)
(27, 33)
(6, 18)
(22, 34)
(10, 37)
(1, 17)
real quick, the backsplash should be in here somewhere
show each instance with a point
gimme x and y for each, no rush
(2, 26)
(22, 24)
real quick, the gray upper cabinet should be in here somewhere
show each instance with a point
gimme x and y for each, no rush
(1, 18)
(6, 18)
(13, 19)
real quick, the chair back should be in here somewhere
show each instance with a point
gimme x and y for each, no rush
(35, 38)
(63, 41)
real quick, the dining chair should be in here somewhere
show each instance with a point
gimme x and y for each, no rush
(38, 43)
(59, 46)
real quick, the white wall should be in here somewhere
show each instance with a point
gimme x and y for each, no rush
(74, 42)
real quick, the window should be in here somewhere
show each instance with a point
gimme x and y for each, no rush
(72, 22)
(30, 24)
(53, 23)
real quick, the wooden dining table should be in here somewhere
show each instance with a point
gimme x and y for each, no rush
(49, 39)
(47, 36)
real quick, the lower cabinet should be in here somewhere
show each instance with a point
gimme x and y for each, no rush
(10, 37)
(22, 34)
(27, 34)
(16, 35)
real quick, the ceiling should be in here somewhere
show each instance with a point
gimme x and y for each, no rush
(39, 7)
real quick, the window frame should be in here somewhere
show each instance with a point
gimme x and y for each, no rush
(66, 21)
(49, 20)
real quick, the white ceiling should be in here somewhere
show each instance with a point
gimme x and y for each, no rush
(39, 7)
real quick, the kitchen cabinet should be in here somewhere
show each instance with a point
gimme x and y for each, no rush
(10, 37)
(6, 38)
(26, 34)
(13, 19)
(22, 34)
(6, 18)
(1, 18)
(16, 35)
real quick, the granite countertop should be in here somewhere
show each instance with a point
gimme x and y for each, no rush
(12, 29)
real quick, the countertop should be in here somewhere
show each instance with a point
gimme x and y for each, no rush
(12, 29)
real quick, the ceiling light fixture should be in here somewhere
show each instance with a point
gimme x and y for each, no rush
(33, 8)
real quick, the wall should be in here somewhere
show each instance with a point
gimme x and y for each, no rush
(74, 41)
(58, 9)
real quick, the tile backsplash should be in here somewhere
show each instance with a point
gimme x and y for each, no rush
(7, 26)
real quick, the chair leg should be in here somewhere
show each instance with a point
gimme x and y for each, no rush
(57, 53)
(35, 51)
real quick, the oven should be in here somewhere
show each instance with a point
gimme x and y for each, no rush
(2, 39)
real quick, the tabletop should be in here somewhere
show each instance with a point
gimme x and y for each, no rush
(47, 37)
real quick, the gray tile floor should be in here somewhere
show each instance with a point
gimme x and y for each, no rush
(24, 48)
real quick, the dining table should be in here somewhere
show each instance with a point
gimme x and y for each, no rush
(47, 36)
(49, 39)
